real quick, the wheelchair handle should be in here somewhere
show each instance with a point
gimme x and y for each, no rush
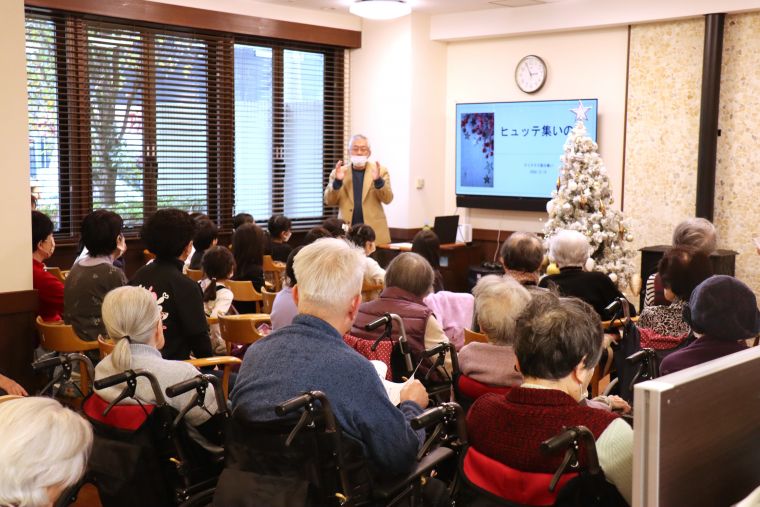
(428, 418)
(113, 380)
(637, 357)
(185, 386)
(50, 362)
(293, 404)
(560, 442)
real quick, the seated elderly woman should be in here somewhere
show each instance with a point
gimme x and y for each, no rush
(498, 302)
(133, 318)
(44, 448)
(570, 250)
(681, 270)
(408, 279)
(558, 342)
(697, 234)
(722, 313)
(521, 255)
(94, 275)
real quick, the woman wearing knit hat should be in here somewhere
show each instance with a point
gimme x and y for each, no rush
(722, 313)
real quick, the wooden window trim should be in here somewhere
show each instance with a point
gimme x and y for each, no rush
(203, 19)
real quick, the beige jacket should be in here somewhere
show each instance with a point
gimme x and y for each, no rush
(372, 201)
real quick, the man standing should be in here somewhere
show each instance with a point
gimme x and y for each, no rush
(360, 189)
(311, 354)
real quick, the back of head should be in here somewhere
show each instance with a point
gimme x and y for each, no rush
(682, 269)
(723, 308)
(218, 262)
(205, 234)
(168, 232)
(330, 274)
(42, 227)
(290, 275)
(335, 226)
(130, 315)
(314, 234)
(248, 246)
(240, 219)
(43, 445)
(100, 230)
(360, 234)
(696, 233)
(569, 248)
(522, 251)
(427, 244)
(499, 300)
(410, 272)
(553, 335)
(277, 225)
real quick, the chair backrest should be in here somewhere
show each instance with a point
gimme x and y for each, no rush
(474, 336)
(194, 274)
(241, 329)
(56, 272)
(268, 299)
(105, 345)
(273, 272)
(60, 337)
(243, 290)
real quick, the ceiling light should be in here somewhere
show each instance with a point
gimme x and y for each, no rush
(380, 9)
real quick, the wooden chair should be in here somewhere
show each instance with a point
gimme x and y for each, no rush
(106, 346)
(473, 336)
(243, 290)
(241, 329)
(371, 291)
(274, 272)
(56, 272)
(194, 274)
(148, 256)
(268, 299)
(60, 337)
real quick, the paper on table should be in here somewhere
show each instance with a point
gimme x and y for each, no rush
(392, 389)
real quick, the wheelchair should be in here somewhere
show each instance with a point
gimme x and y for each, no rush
(308, 462)
(484, 482)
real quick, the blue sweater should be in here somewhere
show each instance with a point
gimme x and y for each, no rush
(310, 354)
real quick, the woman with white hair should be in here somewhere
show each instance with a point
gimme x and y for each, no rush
(44, 448)
(498, 302)
(133, 318)
(570, 250)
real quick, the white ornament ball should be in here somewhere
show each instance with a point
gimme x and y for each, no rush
(629, 237)
(590, 264)
(550, 207)
(613, 277)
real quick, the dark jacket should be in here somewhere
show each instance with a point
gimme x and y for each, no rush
(181, 300)
(593, 287)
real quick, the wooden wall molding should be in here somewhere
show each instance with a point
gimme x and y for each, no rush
(18, 336)
(203, 19)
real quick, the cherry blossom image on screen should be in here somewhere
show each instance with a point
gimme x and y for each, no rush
(476, 155)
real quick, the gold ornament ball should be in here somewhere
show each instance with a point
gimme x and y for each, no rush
(552, 269)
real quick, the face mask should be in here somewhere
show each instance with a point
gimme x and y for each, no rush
(359, 160)
(286, 237)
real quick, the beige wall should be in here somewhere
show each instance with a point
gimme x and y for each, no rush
(15, 254)
(665, 79)
(738, 176)
(585, 64)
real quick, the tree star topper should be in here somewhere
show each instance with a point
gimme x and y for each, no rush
(580, 112)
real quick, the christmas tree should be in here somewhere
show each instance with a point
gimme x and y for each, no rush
(583, 202)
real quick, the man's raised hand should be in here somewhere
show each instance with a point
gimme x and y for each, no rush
(375, 171)
(340, 171)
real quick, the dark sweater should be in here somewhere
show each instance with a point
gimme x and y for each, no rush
(700, 351)
(280, 251)
(181, 300)
(510, 428)
(83, 294)
(593, 287)
(310, 354)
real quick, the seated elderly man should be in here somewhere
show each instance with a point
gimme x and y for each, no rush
(558, 343)
(570, 250)
(498, 303)
(311, 354)
(521, 255)
(722, 313)
(408, 279)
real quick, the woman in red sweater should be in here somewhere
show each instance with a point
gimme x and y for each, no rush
(49, 288)
(558, 344)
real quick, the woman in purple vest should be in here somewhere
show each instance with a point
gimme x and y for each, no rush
(558, 343)
(408, 279)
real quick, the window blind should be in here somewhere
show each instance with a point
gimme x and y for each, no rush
(135, 118)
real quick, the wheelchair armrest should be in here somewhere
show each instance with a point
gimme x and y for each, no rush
(391, 487)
